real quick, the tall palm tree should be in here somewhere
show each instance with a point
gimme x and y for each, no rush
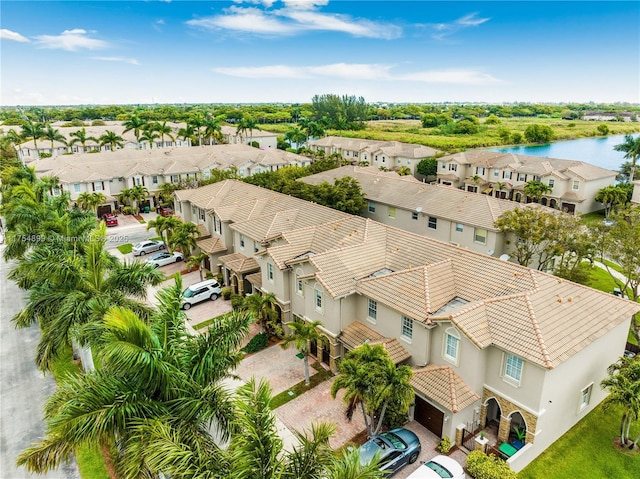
(112, 139)
(53, 135)
(80, 136)
(164, 224)
(611, 197)
(163, 129)
(33, 131)
(149, 135)
(139, 193)
(135, 123)
(631, 148)
(212, 127)
(197, 122)
(371, 381)
(184, 237)
(302, 334)
(246, 124)
(188, 132)
(77, 289)
(296, 135)
(536, 189)
(90, 201)
(261, 307)
(154, 377)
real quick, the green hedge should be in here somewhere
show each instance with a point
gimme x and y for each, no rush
(257, 343)
(481, 466)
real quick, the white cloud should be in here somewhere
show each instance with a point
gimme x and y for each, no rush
(71, 40)
(13, 36)
(443, 30)
(131, 61)
(458, 77)
(297, 16)
(361, 72)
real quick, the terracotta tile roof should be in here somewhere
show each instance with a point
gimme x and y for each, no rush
(408, 193)
(211, 245)
(356, 334)
(442, 385)
(390, 148)
(572, 196)
(239, 263)
(203, 232)
(255, 279)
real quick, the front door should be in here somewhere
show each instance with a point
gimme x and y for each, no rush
(429, 416)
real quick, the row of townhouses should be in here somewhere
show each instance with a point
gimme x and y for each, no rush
(28, 151)
(491, 342)
(111, 172)
(573, 184)
(458, 217)
(389, 155)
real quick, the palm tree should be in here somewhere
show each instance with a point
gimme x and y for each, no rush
(138, 194)
(125, 195)
(53, 135)
(245, 124)
(371, 381)
(404, 171)
(166, 191)
(80, 136)
(32, 131)
(611, 197)
(149, 135)
(112, 139)
(90, 201)
(631, 148)
(212, 127)
(536, 189)
(77, 289)
(198, 260)
(196, 122)
(164, 224)
(187, 133)
(303, 333)
(261, 307)
(163, 129)
(314, 130)
(135, 123)
(184, 237)
(154, 377)
(623, 384)
(295, 135)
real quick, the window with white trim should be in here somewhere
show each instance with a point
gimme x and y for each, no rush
(551, 182)
(496, 173)
(522, 177)
(414, 215)
(585, 397)
(76, 187)
(97, 186)
(241, 241)
(318, 299)
(451, 347)
(407, 328)
(576, 185)
(392, 212)
(255, 247)
(433, 222)
(480, 235)
(371, 206)
(299, 286)
(372, 310)
(270, 272)
(453, 167)
(154, 179)
(513, 368)
(459, 227)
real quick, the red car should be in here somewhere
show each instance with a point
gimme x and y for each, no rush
(110, 219)
(165, 210)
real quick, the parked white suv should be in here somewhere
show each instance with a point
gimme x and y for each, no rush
(209, 289)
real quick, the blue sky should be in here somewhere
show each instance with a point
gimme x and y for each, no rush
(80, 52)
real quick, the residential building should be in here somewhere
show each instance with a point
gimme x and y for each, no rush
(266, 140)
(573, 183)
(441, 212)
(491, 342)
(635, 198)
(390, 155)
(111, 172)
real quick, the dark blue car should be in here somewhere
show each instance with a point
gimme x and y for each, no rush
(396, 448)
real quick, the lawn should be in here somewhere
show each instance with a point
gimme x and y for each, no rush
(285, 396)
(587, 451)
(125, 248)
(411, 131)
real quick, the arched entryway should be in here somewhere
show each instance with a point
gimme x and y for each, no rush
(553, 203)
(518, 430)
(543, 201)
(518, 197)
(494, 411)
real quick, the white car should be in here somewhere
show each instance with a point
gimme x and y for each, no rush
(165, 258)
(149, 246)
(438, 468)
(208, 289)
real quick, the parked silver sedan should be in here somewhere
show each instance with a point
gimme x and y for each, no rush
(165, 258)
(146, 247)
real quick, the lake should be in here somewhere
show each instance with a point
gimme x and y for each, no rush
(597, 151)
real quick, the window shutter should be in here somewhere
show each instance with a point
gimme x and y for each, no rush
(93, 186)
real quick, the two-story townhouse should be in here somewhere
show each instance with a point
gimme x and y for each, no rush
(389, 155)
(266, 140)
(573, 183)
(458, 217)
(27, 151)
(491, 342)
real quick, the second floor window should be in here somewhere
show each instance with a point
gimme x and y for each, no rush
(371, 207)
(407, 327)
(242, 241)
(513, 368)
(76, 187)
(522, 177)
(459, 227)
(154, 179)
(372, 312)
(576, 185)
(480, 236)
(414, 216)
(451, 344)
(299, 286)
(392, 212)
(270, 272)
(551, 182)
(453, 167)
(318, 295)
(433, 222)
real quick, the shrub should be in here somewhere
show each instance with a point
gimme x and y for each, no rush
(45, 155)
(395, 415)
(226, 292)
(481, 466)
(444, 445)
(237, 300)
(98, 123)
(128, 210)
(257, 343)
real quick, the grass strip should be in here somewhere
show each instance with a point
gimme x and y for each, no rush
(125, 248)
(300, 388)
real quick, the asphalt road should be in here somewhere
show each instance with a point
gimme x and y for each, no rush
(23, 389)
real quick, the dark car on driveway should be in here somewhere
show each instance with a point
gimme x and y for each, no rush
(396, 448)
(165, 210)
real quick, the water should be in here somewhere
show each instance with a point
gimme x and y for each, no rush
(597, 151)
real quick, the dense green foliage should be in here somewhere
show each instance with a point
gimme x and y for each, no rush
(257, 343)
(481, 466)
